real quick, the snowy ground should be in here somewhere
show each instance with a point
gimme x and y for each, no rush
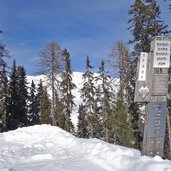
(48, 148)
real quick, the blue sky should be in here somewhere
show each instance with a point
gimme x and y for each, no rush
(84, 27)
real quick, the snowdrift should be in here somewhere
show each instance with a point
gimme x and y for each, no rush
(48, 148)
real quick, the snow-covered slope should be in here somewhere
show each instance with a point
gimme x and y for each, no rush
(78, 81)
(48, 148)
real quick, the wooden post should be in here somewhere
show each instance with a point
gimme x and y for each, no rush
(153, 92)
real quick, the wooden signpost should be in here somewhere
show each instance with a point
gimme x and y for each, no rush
(152, 89)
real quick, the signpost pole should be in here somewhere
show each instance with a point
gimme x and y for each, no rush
(152, 90)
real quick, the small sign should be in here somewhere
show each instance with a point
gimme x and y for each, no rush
(142, 66)
(160, 84)
(143, 92)
(142, 88)
(157, 119)
(161, 53)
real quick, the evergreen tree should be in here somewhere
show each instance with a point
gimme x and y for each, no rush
(23, 95)
(82, 125)
(123, 129)
(105, 100)
(3, 54)
(39, 97)
(17, 98)
(125, 69)
(89, 101)
(13, 114)
(136, 115)
(3, 99)
(60, 118)
(3, 86)
(44, 105)
(145, 24)
(33, 107)
(66, 88)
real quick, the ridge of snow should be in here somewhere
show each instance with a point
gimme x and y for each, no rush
(49, 148)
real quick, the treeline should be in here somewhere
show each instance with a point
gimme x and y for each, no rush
(104, 113)
(20, 104)
(23, 105)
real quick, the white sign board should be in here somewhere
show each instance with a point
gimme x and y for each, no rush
(162, 54)
(142, 66)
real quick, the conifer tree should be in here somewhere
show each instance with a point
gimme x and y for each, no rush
(59, 113)
(33, 107)
(3, 86)
(13, 114)
(145, 24)
(136, 115)
(122, 127)
(44, 105)
(17, 98)
(105, 100)
(52, 62)
(39, 97)
(124, 67)
(66, 88)
(3, 54)
(23, 95)
(82, 131)
(120, 62)
(89, 101)
(3, 99)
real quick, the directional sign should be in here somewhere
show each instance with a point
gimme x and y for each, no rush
(160, 84)
(157, 119)
(161, 52)
(142, 91)
(142, 66)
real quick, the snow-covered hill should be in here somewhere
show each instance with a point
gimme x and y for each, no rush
(48, 148)
(78, 81)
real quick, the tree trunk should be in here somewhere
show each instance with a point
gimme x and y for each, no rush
(53, 90)
(106, 127)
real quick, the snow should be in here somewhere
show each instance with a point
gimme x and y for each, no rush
(49, 148)
(77, 80)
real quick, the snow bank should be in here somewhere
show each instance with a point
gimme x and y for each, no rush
(48, 148)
